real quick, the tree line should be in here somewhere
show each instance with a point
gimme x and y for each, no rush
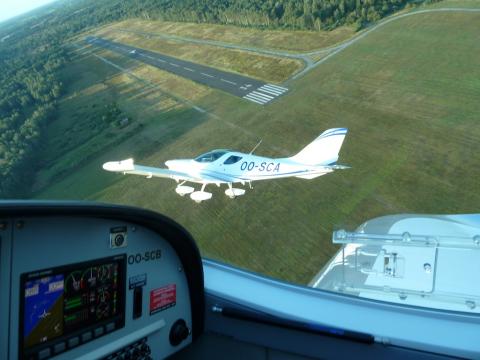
(29, 89)
(291, 14)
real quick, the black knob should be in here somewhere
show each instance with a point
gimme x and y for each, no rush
(119, 239)
(145, 349)
(178, 332)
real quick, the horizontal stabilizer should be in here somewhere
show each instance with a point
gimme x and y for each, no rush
(337, 167)
(323, 170)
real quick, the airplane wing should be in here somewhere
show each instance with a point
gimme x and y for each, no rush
(129, 167)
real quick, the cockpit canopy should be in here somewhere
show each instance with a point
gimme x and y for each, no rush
(211, 156)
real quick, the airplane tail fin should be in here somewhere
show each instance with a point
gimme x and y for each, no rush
(324, 149)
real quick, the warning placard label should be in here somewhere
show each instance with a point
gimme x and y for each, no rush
(163, 298)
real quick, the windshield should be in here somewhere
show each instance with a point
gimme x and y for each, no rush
(232, 160)
(338, 113)
(211, 156)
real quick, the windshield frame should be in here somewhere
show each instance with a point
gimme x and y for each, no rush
(211, 156)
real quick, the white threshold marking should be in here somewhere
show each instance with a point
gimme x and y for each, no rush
(259, 98)
(276, 87)
(256, 101)
(269, 91)
(173, 64)
(251, 96)
(207, 75)
(265, 93)
(266, 87)
(160, 60)
(188, 69)
(253, 100)
(256, 96)
(262, 95)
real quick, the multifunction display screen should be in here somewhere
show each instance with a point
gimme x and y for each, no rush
(60, 302)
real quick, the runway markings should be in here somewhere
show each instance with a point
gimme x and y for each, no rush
(250, 89)
(265, 93)
(229, 82)
(270, 90)
(262, 95)
(257, 98)
(253, 99)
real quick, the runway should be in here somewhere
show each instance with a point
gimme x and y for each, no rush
(253, 90)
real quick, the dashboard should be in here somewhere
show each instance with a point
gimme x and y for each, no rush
(94, 281)
(91, 281)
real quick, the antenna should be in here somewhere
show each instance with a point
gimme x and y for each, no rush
(256, 146)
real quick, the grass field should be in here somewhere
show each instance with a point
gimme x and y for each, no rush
(268, 39)
(409, 94)
(453, 4)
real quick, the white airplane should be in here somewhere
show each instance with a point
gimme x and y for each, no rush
(231, 167)
(44, 314)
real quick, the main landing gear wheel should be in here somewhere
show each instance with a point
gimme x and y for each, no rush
(232, 193)
(202, 195)
(183, 190)
(199, 196)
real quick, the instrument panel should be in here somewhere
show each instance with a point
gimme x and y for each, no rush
(89, 281)
(58, 303)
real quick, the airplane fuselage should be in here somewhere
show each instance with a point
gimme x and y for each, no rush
(247, 168)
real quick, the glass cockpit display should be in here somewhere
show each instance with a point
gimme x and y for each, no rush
(43, 318)
(59, 302)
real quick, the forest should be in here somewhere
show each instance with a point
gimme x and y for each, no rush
(32, 50)
(290, 14)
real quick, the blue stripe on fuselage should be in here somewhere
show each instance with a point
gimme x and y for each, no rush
(213, 173)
